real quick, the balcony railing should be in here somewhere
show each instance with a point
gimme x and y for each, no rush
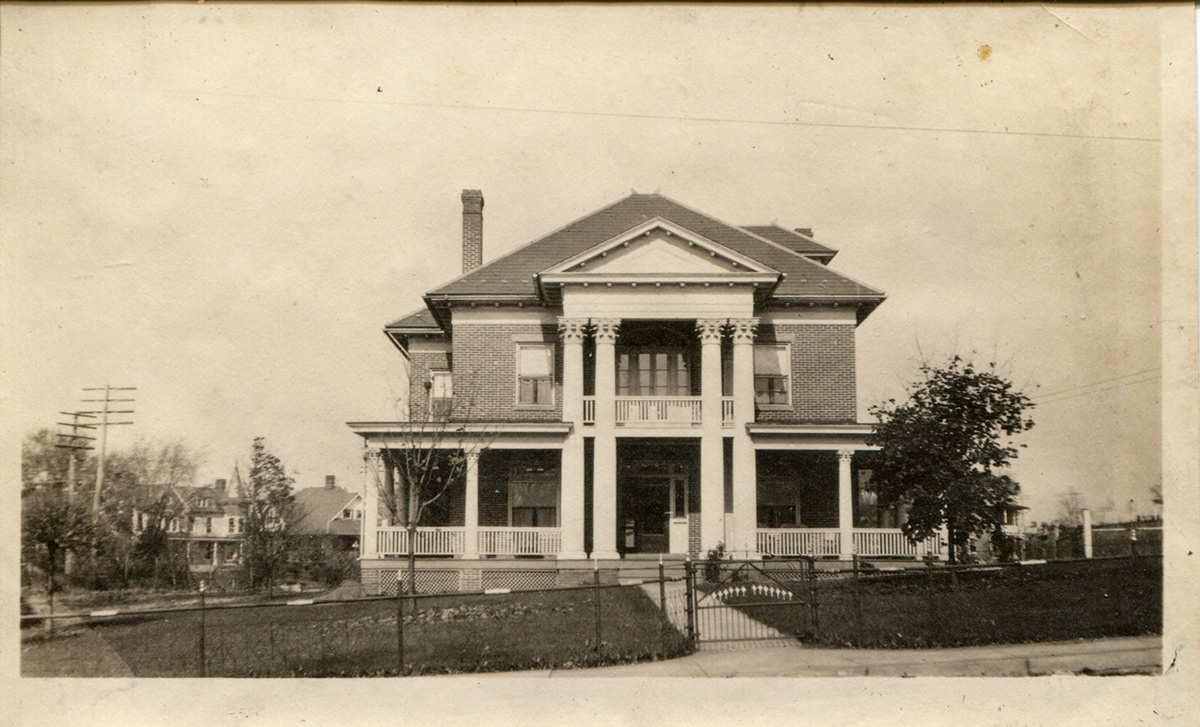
(429, 541)
(519, 541)
(827, 542)
(727, 411)
(658, 410)
(589, 410)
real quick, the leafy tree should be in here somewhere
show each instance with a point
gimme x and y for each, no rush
(941, 451)
(52, 524)
(271, 516)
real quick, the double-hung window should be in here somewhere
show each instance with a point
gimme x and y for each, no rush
(535, 374)
(441, 392)
(534, 502)
(772, 374)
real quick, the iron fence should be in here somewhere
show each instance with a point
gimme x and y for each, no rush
(606, 620)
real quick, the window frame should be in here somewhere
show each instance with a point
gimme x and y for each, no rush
(517, 377)
(786, 378)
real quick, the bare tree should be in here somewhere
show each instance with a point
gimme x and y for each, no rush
(419, 465)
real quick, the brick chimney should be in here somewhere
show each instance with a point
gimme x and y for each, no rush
(220, 485)
(472, 252)
(330, 481)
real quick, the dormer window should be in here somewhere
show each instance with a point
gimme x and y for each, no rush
(535, 374)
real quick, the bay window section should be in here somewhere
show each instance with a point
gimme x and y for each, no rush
(535, 374)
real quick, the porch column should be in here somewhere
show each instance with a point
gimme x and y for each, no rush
(745, 476)
(604, 479)
(845, 504)
(572, 331)
(471, 533)
(712, 449)
(367, 547)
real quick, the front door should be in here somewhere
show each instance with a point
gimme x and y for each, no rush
(653, 508)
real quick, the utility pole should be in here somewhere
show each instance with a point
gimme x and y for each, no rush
(104, 424)
(74, 442)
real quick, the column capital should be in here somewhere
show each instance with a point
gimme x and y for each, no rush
(845, 455)
(606, 329)
(743, 329)
(710, 329)
(572, 330)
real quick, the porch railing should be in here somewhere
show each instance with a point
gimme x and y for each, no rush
(658, 410)
(519, 541)
(430, 541)
(814, 542)
(892, 542)
(868, 542)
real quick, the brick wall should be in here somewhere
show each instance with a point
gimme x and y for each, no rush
(822, 383)
(485, 373)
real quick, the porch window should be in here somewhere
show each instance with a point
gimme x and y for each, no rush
(777, 503)
(651, 371)
(534, 502)
(535, 374)
(772, 370)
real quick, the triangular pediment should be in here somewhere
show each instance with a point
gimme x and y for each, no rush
(659, 254)
(660, 248)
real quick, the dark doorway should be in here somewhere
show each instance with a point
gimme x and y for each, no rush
(656, 492)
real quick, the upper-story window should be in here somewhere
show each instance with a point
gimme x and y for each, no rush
(772, 374)
(535, 374)
(653, 371)
(441, 392)
(208, 522)
(231, 527)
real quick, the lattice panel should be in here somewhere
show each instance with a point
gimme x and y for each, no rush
(428, 581)
(518, 579)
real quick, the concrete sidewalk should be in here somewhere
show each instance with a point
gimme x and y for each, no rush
(1128, 655)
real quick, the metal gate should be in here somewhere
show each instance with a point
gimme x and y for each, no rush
(737, 601)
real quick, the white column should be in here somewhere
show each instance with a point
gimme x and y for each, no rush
(367, 547)
(604, 476)
(845, 503)
(471, 535)
(712, 450)
(1087, 533)
(745, 476)
(572, 331)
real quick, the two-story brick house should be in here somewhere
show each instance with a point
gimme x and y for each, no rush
(645, 380)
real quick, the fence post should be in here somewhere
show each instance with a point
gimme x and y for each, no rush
(596, 593)
(203, 667)
(399, 627)
(662, 605)
(813, 613)
(1133, 543)
(857, 603)
(689, 601)
(932, 600)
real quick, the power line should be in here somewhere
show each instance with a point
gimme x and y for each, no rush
(668, 117)
(1098, 391)
(1097, 383)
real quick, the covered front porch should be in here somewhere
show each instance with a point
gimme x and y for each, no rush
(819, 503)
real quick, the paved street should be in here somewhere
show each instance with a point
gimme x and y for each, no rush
(1137, 655)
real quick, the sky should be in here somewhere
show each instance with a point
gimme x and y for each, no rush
(222, 205)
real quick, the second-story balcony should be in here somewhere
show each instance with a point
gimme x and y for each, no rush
(658, 411)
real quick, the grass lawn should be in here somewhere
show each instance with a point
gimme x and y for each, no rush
(1052, 602)
(446, 634)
